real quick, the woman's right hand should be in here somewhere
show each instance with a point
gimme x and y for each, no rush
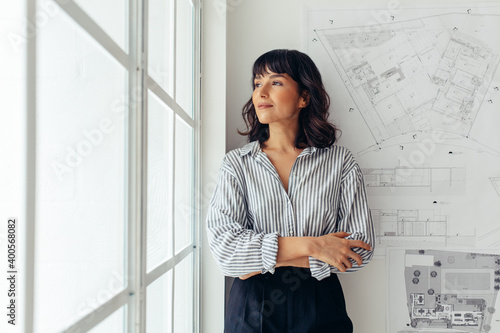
(335, 250)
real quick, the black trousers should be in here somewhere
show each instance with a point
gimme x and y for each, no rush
(288, 301)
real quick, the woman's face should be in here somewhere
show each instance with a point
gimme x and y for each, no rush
(276, 98)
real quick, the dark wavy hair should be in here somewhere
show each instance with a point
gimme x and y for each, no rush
(314, 128)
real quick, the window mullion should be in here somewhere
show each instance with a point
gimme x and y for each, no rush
(174, 68)
(173, 213)
(136, 170)
(30, 169)
(197, 227)
(143, 65)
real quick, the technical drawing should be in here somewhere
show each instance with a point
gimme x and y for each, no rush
(415, 76)
(451, 291)
(495, 181)
(417, 180)
(465, 65)
(409, 222)
(417, 94)
(414, 227)
(490, 238)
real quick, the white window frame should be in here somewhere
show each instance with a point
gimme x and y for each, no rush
(134, 295)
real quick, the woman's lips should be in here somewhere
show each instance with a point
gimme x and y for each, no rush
(264, 105)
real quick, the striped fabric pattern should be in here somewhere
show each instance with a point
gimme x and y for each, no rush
(250, 207)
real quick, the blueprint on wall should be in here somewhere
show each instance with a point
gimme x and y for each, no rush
(443, 291)
(416, 94)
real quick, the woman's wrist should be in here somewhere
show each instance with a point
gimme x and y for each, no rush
(290, 248)
(298, 262)
(312, 246)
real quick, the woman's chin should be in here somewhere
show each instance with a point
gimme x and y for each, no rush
(264, 120)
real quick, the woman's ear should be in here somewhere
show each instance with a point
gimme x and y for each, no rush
(304, 99)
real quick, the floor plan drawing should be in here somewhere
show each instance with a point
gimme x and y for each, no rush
(415, 91)
(414, 227)
(495, 181)
(447, 291)
(453, 290)
(416, 75)
(416, 180)
(491, 237)
(409, 222)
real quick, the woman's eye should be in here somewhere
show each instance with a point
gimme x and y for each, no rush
(257, 84)
(277, 83)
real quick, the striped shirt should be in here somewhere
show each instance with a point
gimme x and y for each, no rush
(250, 207)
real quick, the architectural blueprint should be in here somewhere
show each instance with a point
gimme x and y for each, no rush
(416, 94)
(412, 228)
(415, 91)
(495, 181)
(444, 291)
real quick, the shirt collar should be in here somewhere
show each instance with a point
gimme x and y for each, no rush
(253, 148)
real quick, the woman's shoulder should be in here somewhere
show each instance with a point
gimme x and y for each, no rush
(342, 157)
(238, 154)
(234, 159)
(337, 151)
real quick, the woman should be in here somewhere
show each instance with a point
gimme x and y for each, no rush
(289, 209)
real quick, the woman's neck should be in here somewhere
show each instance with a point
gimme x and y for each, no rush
(281, 139)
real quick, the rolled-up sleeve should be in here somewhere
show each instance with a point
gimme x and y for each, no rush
(353, 217)
(237, 248)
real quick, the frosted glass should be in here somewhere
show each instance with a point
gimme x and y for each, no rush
(159, 305)
(111, 16)
(160, 164)
(161, 43)
(114, 323)
(184, 198)
(185, 54)
(81, 175)
(183, 296)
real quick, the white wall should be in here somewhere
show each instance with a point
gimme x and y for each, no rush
(213, 101)
(253, 28)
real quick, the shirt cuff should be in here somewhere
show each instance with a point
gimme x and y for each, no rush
(269, 252)
(319, 269)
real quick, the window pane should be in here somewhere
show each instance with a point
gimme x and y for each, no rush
(161, 43)
(116, 322)
(12, 115)
(183, 296)
(183, 184)
(160, 163)
(159, 305)
(184, 58)
(111, 16)
(81, 176)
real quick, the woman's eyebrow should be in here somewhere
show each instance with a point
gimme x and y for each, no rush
(273, 76)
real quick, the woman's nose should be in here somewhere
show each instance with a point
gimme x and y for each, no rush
(263, 91)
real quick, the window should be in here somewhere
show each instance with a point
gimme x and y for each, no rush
(111, 170)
